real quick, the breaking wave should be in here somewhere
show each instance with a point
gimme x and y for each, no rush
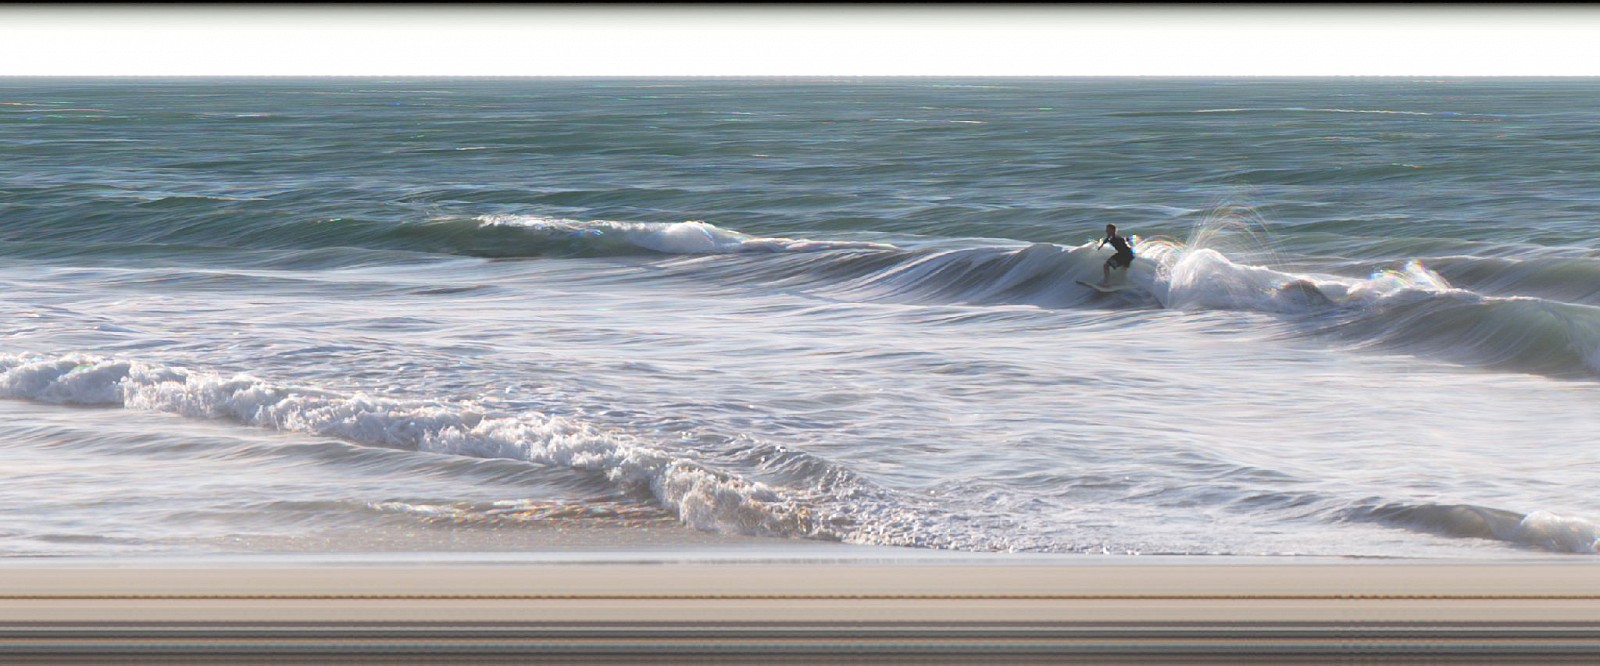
(816, 499)
(1538, 529)
(1409, 309)
(702, 497)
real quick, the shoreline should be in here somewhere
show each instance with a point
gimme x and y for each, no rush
(800, 554)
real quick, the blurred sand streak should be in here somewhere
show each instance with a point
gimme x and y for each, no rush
(790, 593)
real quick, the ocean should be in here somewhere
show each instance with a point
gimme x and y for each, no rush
(247, 317)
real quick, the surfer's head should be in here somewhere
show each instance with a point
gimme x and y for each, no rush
(1111, 230)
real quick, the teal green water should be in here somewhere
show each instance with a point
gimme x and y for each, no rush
(1364, 319)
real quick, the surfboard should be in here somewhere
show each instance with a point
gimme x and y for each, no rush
(1103, 288)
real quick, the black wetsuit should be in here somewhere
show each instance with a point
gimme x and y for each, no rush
(1124, 256)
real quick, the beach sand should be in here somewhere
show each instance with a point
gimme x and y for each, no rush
(747, 603)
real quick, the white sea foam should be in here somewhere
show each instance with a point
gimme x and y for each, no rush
(1554, 532)
(704, 498)
(848, 509)
(689, 237)
(1199, 277)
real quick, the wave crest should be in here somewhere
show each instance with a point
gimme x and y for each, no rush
(690, 237)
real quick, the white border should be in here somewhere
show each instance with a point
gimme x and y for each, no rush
(799, 40)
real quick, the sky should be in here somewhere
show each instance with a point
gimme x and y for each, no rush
(800, 40)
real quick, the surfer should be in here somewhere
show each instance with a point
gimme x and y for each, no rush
(1122, 259)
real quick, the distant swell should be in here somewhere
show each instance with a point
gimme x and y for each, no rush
(490, 236)
(1301, 109)
(510, 236)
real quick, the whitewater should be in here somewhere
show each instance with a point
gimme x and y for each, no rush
(255, 317)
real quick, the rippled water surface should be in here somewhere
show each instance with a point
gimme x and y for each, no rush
(284, 315)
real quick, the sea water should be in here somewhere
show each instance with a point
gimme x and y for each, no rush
(307, 315)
